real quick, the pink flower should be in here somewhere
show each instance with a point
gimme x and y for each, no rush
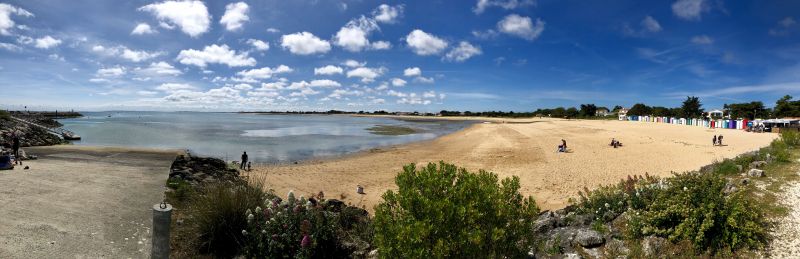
(306, 241)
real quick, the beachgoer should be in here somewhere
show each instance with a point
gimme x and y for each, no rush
(719, 140)
(249, 166)
(564, 143)
(244, 160)
(715, 140)
(15, 148)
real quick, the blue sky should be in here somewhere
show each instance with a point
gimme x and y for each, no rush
(396, 55)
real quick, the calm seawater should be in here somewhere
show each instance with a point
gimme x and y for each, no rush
(266, 138)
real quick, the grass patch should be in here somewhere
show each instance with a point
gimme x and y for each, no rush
(391, 130)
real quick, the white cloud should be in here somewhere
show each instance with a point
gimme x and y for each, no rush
(505, 4)
(304, 43)
(235, 16)
(273, 86)
(426, 80)
(353, 36)
(264, 72)
(9, 46)
(412, 71)
(243, 87)
(463, 52)
(143, 28)
(378, 101)
(111, 72)
(397, 82)
(339, 93)
(328, 70)
(6, 23)
(521, 26)
(429, 94)
(324, 83)
(172, 87)
(425, 44)
(258, 44)
(484, 35)
(56, 57)
(366, 74)
(353, 63)
(161, 68)
(702, 40)
(650, 24)
(146, 93)
(381, 45)
(99, 80)
(139, 55)
(47, 42)
(388, 14)
(215, 54)
(689, 10)
(192, 16)
(273, 30)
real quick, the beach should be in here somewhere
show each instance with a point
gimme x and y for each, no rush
(82, 202)
(525, 148)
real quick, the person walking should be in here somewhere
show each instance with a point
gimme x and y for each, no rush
(715, 140)
(719, 140)
(15, 148)
(244, 160)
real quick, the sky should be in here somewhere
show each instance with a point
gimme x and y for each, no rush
(426, 55)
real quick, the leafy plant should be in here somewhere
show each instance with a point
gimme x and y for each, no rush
(445, 211)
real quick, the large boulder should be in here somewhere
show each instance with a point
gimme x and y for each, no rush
(589, 238)
(756, 173)
(547, 220)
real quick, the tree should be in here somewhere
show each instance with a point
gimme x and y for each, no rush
(661, 111)
(785, 107)
(639, 109)
(572, 112)
(617, 108)
(749, 110)
(588, 110)
(692, 107)
(447, 212)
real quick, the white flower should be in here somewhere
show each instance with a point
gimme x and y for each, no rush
(685, 189)
(250, 218)
(607, 205)
(263, 232)
(248, 212)
(258, 209)
(290, 197)
(244, 232)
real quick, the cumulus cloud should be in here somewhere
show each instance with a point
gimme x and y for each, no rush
(387, 14)
(521, 26)
(235, 16)
(6, 23)
(353, 63)
(173, 87)
(143, 28)
(46, 42)
(426, 80)
(462, 52)
(263, 73)
(215, 54)
(505, 4)
(258, 44)
(10, 46)
(191, 16)
(111, 72)
(397, 82)
(328, 70)
(650, 24)
(160, 68)
(366, 74)
(412, 72)
(139, 55)
(304, 43)
(689, 10)
(425, 44)
(702, 40)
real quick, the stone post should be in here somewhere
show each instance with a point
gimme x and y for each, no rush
(162, 217)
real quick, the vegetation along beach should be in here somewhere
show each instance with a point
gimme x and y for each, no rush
(399, 129)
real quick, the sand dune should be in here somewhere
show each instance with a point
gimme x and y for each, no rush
(527, 150)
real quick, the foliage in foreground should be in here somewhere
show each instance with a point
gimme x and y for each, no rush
(218, 218)
(443, 211)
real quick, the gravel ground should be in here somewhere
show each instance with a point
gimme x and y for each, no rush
(787, 233)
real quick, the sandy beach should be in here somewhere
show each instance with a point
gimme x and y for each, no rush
(82, 202)
(525, 148)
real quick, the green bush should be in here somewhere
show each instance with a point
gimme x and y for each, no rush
(694, 208)
(726, 167)
(443, 211)
(606, 202)
(779, 149)
(181, 189)
(791, 137)
(4, 115)
(218, 215)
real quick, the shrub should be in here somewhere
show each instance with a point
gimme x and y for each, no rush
(606, 202)
(780, 150)
(4, 115)
(694, 208)
(726, 167)
(443, 211)
(791, 137)
(218, 215)
(181, 189)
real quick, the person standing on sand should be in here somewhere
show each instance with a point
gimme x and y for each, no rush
(719, 140)
(15, 148)
(244, 160)
(715, 140)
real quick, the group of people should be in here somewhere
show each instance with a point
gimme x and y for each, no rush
(245, 164)
(563, 147)
(615, 143)
(717, 140)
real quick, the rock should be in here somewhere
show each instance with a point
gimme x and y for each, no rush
(573, 219)
(546, 221)
(729, 188)
(615, 248)
(589, 238)
(593, 252)
(652, 245)
(373, 254)
(744, 181)
(756, 173)
(739, 168)
(572, 256)
(758, 164)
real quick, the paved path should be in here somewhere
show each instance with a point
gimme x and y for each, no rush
(81, 202)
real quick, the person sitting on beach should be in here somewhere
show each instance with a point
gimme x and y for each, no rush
(244, 160)
(715, 140)
(563, 146)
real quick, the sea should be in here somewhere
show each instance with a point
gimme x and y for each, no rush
(267, 138)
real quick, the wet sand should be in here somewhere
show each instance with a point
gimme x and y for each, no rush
(525, 148)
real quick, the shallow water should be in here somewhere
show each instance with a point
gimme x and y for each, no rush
(266, 138)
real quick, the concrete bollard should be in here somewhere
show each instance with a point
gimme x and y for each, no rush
(162, 217)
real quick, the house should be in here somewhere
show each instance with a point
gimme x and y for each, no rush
(715, 114)
(622, 114)
(602, 112)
